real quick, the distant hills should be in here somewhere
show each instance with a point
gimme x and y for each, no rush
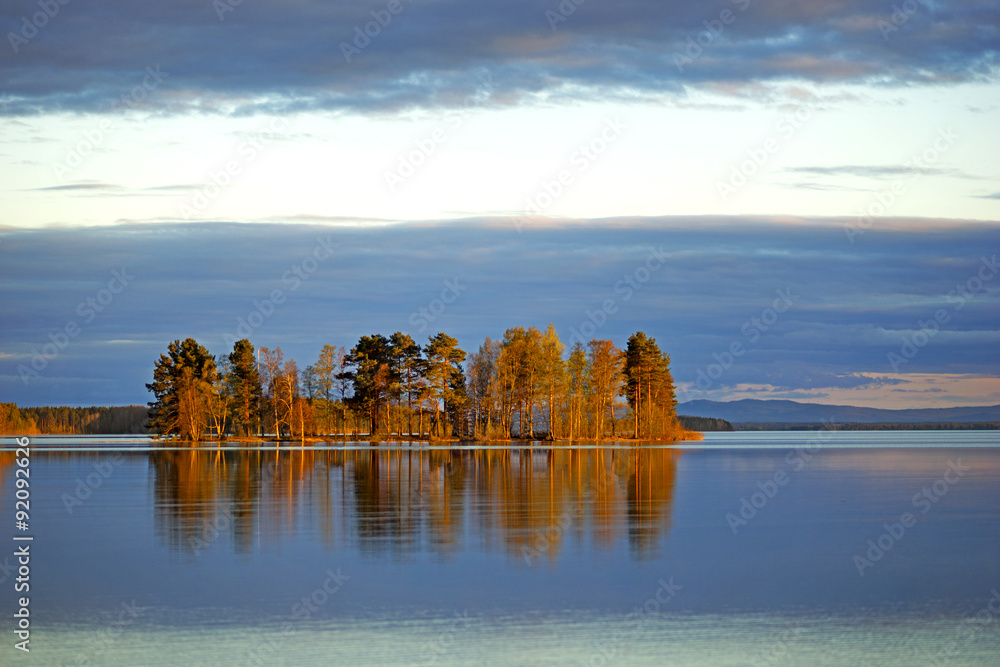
(758, 411)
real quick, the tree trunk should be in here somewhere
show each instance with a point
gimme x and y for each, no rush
(637, 406)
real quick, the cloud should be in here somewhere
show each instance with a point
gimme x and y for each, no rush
(84, 187)
(183, 187)
(854, 304)
(112, 190)
(279, 57)
(802, 379)
(878, 171)
(811, 185)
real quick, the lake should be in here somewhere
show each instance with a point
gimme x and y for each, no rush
(750, 548)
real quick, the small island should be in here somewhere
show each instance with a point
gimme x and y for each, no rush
(520, 387)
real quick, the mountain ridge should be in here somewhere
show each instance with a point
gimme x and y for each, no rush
(756, 410)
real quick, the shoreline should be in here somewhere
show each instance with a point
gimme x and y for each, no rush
(689, 436)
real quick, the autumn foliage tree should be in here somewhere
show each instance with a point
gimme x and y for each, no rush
(323, 374)
(13, 421)
(604, 377)
(577, 390)
(483, 392)
(516, 383)
(552, 376)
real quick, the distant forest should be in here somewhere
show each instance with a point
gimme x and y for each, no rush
(525, 385)
(704, 423)
(64, 420)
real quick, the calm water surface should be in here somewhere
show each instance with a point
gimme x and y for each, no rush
(747, 549)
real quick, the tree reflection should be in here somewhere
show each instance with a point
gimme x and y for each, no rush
(531, 504)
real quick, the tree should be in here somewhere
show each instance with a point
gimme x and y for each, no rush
(244, 387)
(552, 371)
(309, 382)
(342, 383)
(370, 376)
(302, 418)
(520, 359)
(481, 384)
(663, 403)
(577, 373)
(324, 373)
(14, 421)
(640, 362)
(525, 372)
(649, 388)
(408, 362)
(182, 385)
(272, 364)
(286, 394)
(219, 398)
(282, 390)
(444, 375)
(604, 362)
(508, 366)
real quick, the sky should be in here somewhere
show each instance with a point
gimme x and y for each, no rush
(797, 199)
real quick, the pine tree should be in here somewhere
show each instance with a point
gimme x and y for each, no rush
(408, 364)
(649, 389)
(244, 387)
(370, 375)
(444, 375)
(182, 384)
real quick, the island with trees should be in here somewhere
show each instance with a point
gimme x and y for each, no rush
(523, 386)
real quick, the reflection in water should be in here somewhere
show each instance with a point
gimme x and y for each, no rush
(7, 459)
(527, 503)
(528, 546)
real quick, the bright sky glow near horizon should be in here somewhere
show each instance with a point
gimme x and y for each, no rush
(830, 155)
(474, 124)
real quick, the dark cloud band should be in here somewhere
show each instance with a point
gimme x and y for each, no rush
(275, 56)
(699, 285)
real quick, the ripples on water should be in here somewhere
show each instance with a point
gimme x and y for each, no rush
(353, 554)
